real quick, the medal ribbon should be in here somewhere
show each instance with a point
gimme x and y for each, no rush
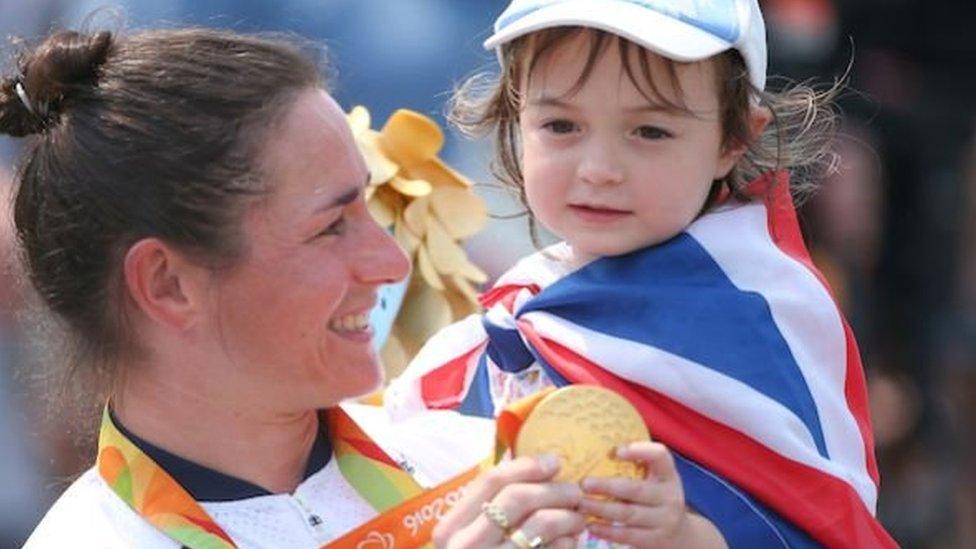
(407, 513)
(153, 493)
(511, 418)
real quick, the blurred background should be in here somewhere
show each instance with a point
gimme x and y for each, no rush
(894, 228)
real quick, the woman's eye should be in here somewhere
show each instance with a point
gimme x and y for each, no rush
(651, 132)
(560, 126)
(337, 227)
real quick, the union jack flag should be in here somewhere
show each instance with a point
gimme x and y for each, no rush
(727, 340)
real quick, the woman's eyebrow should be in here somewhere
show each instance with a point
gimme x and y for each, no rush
(345, 198)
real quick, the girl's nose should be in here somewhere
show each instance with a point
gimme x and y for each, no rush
(599, 165)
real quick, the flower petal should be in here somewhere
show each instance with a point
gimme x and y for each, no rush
(427, 270)
(445, 254)
(409, 137)
(462, 212)
(416, 214)
(358, 119)
(471, 272)
(407, 240)
(381, 169)
(464, 288)
(437, 173)
(382, 211)
(411, 187)
(425, 311)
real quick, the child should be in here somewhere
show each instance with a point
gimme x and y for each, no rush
(638, 131)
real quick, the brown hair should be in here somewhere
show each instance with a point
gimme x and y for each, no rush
(798, 138)
(152, 134)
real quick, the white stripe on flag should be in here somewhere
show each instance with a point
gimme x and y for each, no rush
(807, 318)
(720, 398)
(403, 397)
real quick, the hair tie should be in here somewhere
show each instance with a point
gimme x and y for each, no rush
(24, 98)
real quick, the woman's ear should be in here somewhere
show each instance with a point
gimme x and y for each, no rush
(163, 284)
(759, 118)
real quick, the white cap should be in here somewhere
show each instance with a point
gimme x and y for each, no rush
(683, 30)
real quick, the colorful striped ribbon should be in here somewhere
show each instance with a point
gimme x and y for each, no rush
(406, 517)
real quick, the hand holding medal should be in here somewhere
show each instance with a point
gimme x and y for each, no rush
(633, 494)
(515, 504)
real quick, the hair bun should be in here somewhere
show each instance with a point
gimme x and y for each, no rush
(62, 64)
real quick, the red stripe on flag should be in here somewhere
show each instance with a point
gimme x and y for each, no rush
(443, 388)
(785, 232)
(827, 508)
(509, 291)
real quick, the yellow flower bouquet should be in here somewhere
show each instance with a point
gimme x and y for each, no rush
(430, 209)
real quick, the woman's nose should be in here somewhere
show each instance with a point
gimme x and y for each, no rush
(381, 260)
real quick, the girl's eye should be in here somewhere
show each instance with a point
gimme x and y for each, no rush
(560, 126)
(652, 132)
(337, 227)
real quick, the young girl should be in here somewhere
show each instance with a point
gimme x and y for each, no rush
(638, 131)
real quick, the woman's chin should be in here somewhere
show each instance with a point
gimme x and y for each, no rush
(370, 385)
(361, 378)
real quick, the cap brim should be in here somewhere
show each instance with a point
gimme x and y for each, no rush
(659, 33)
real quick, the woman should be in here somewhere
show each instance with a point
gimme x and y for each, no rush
(191, 208)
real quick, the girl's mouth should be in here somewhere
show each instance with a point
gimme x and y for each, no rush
(598, 214)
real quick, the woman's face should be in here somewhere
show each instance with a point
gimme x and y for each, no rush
(292, 315)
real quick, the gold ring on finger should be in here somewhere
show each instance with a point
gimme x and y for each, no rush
(522, 541)
(496, 515)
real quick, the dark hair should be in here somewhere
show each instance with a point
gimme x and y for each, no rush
(798, 138)
(153, 134)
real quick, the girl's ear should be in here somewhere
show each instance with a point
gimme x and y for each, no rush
(759, 118)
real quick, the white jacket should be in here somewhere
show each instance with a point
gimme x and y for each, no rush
(437, 446)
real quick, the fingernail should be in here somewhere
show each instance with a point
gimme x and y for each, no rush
(587, 483)
(549, 463)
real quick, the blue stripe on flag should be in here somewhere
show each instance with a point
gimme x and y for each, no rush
(506, 348)
(477, 401)
(676, 297)
(743, 521)
(553, 374)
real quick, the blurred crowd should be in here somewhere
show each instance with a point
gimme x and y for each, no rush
(894, 227)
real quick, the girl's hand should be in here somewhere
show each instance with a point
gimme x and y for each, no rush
(520, 490)
(650, 512)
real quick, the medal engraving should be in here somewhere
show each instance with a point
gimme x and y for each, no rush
(582, 425)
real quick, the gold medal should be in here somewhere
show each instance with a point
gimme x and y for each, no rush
(582, 425)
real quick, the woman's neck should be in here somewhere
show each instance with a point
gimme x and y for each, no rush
(266, 448)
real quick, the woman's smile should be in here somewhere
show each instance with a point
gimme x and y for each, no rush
(353, 326)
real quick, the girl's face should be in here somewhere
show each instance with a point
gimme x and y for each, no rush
(292, 314)
(605, 169)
